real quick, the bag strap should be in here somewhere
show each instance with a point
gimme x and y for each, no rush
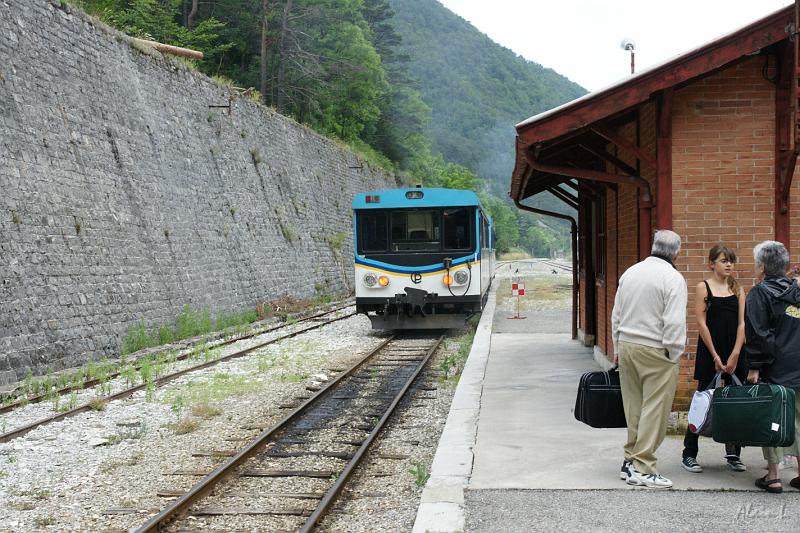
(607, 373)
(717, 380)
(709, 295)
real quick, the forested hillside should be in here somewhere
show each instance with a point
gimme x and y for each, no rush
(418, 90)
(477, 90)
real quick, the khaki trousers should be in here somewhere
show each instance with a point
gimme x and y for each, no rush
(648, 379)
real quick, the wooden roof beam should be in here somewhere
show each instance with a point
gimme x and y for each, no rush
(605, 156)
(564, 196)
(645, 198)
(625, 144)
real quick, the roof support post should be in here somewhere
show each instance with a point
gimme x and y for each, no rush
(664, 161)
(645, 199)
(787, 144)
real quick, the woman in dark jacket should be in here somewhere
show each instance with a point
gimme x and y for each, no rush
(772, 328)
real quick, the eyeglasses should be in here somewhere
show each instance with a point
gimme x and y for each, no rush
(725, 261)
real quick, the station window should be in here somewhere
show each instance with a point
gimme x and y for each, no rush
(457, 232)
(372, 233)
(416, 231)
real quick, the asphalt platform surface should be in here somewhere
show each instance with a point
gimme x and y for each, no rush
(642, 510)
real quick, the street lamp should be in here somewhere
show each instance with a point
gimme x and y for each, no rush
(628, 45)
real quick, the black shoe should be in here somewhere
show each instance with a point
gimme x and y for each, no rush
(735, 464)
(691, 464)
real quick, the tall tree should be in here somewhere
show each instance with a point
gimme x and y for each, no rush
(281, 86)
(192, 14)
(264, 30)
(399, 132)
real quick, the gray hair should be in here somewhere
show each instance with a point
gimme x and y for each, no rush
(666, 243)
(773, 256)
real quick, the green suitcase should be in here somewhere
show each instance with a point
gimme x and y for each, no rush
(759, 414)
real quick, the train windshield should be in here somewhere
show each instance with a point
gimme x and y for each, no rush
(416, 230)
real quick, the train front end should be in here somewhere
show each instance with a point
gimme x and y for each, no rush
(418, 257)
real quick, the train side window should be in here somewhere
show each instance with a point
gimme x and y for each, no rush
(484, 232)
(372, 234)
(457, 234)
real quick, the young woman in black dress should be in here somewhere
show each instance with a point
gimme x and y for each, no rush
(720, 319)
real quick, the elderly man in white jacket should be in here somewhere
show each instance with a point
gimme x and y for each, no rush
(648, 325)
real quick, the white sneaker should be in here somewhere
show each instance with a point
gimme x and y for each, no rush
(653, 481)
(625, 471)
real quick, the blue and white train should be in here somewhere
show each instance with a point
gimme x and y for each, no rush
(423, 257)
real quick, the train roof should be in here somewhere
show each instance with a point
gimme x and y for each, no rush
(431, 197)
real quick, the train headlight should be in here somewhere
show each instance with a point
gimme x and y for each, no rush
(461, 277)
(383, 281)
(370, 279)
(447, 279)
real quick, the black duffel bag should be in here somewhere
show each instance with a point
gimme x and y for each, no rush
(599, 401)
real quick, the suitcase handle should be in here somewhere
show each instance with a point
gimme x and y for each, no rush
(614, 368)
(717, 381)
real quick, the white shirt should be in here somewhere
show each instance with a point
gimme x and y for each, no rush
(650, 307)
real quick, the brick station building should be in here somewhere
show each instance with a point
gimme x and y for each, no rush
(704, 144)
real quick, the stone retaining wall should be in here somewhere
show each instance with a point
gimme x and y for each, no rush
(124, 196)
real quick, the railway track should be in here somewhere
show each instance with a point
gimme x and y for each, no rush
(91, 382)
(160, 381)
(289, 476)
(554, 264)
(546, 262)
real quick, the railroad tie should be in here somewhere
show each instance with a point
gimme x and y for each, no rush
(254, 472)
(259, 512)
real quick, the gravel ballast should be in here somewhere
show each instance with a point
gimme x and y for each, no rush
(102, 470)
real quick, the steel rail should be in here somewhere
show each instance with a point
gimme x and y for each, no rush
(330, 496)
(5, 437)
(555, 265)
(205, 485)
(113, 375)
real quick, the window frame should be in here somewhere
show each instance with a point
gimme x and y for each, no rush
(471, 242)
(360, 230)
(439, 210)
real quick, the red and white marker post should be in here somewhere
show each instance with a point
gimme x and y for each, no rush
(517, 290)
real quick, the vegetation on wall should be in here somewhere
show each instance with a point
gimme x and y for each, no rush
(407, 83)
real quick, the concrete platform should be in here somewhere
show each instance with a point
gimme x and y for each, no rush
(512, 456)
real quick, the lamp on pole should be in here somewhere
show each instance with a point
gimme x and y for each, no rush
(630, 46)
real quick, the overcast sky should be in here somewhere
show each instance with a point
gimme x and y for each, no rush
(580, 39)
